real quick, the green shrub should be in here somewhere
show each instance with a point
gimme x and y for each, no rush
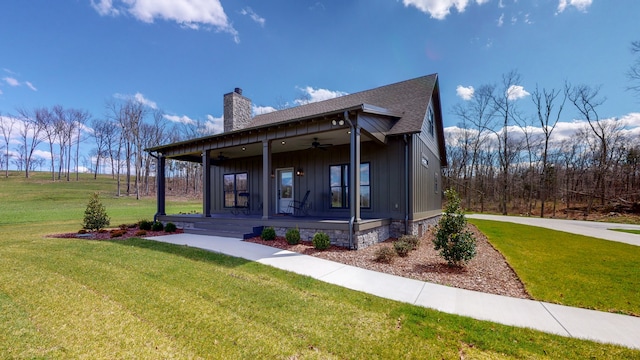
(402, 248)
(157, 226)
(268, 233)
(170, 227)
(145, 224)
(385, 255)
(95, 216)
(321, 241)
(293, 236)
(455, 243)
(411, 239)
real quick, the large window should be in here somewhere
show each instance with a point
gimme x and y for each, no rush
(235, 189)
(340, 186)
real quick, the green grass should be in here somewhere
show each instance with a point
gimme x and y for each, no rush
(630, 231)
(570, 269)
(71, 298)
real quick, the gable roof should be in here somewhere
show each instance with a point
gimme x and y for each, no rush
(407, 99)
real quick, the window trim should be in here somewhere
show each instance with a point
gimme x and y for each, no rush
(236, 192)
(344, 186)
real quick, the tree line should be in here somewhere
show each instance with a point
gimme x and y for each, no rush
(116, 141)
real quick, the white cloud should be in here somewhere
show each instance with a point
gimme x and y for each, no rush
(516, 92)
(138, 97)
(11, 81)
(259, 110)
(311, 95)
(180, 119)
(191, 14)
(213, 125)
(439, 9)
(501, 20)
(30, 86)
(255, 17)
(466, 93)
(581, 5)
(144, 101)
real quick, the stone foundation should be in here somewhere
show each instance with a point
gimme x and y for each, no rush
(365, 238)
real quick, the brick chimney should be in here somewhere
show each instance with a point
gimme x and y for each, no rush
(237, 111)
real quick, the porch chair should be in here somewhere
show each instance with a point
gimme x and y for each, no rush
(300, 208)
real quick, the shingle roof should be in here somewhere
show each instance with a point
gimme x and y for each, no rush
(409, 98)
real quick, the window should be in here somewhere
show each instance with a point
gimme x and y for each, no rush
(340, 186)
(234, 186)
(430, 120)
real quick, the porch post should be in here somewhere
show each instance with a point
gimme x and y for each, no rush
(206, 183)
(266, 177)
(354, 178)
(160, 185)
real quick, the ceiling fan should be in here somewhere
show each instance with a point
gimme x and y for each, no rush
(317, 145)
(220, 158)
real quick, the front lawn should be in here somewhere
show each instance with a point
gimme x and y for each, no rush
(570, 269)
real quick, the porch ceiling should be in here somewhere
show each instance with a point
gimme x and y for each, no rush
(287, 144)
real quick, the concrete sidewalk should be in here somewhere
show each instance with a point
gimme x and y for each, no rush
(550, 318)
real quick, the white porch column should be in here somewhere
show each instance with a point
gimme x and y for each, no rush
(266, 177)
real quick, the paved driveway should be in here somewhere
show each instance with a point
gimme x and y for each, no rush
(588, 228)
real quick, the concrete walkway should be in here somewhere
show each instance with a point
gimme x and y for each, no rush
(556, 319)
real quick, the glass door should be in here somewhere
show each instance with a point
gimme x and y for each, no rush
(284, 190)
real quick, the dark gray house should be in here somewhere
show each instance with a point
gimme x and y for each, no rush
(362, 167)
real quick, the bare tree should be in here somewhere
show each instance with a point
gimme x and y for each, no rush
(634, 71)
(101, 128)
(50, 132)
(587, 100)
(30, 136)
(504, 102)
(78, 118)
(549, 108)
(6, 127)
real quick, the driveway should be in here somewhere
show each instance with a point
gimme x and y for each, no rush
(601, 230)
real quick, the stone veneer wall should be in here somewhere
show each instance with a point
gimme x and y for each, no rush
(365, 238)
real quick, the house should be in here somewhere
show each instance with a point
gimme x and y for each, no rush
(362, 167)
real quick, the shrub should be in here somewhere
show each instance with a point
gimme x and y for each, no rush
(268, 233)
(411, 239)
(293, 236)
(456, 244)
(402, 248)
(157, 226)
(123, 226)
(385, 255)
(170, 227)
(82, 231)
(145, 224)
(95, 216)
(141, 233)
(321, 241)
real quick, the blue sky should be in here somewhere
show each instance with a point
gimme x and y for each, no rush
(182, 55)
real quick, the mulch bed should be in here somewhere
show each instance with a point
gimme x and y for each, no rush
(106, 235)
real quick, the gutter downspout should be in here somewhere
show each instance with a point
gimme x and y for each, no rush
(406, 184)
(352, 155)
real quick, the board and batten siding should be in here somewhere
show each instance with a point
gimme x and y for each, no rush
(426, 174)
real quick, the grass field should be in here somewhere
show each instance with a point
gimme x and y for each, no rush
(570, 269)
(68, 298)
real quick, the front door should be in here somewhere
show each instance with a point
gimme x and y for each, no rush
(284, 190)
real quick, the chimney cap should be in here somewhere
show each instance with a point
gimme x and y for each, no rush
(238, 91)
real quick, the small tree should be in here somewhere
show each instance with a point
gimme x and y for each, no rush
(95, 216)
(456, 244)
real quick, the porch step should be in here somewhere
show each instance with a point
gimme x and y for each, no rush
(225, 230)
